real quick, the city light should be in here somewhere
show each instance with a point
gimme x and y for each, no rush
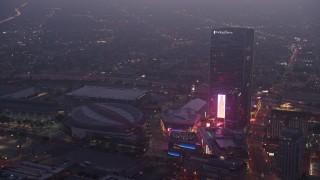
(174, 154)
(271, 154)
(219, 124)
(187, 146)
(221, 106)
(112, 85)
(207, 124)
(193, 88)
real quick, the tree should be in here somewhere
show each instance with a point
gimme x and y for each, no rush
(4, 119)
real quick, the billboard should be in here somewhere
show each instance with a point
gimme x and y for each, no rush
(221, 110)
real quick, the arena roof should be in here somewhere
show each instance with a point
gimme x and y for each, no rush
(107, 93)
(106, 117)
(10, 89)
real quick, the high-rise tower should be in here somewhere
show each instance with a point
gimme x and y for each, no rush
(290, 151)
(287, 115)
(231, 59)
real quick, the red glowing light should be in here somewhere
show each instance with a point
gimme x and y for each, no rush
(252, 119)
(219, 124)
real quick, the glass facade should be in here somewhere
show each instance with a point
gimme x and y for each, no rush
(231, 58)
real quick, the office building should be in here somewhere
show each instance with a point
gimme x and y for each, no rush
(290, 153)
(307, 61)
(231, 59)
(287, 116)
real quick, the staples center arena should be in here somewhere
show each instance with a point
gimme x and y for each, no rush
(118, 122)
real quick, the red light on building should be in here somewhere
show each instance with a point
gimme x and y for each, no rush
(219, 124)
(253, 119)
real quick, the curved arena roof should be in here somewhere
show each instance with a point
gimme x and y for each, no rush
(106, 117)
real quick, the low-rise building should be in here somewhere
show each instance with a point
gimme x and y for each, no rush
(29, 109)
(186, 118)
(223, 142)
(208, 167)
(29, 170)
(183, 143)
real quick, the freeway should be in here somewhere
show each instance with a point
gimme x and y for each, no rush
(18, 13)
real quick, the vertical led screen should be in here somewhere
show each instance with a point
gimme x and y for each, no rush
(221, 111)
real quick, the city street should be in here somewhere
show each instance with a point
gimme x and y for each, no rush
(259, 163)
(158, 144)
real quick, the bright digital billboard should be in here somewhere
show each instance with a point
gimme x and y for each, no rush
(221, 111)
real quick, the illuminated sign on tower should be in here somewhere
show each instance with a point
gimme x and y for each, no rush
(221, 111)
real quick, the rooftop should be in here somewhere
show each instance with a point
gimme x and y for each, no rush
(108, 93)
(221, 138)
(29, 170)
(9, 89)
(195, 104)
(211, 162)
(187, 115)
(29, 105)
(225, 143)
(180, 117)
(287, 107)
(184, 136)
(212, 133)
(102, 115)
